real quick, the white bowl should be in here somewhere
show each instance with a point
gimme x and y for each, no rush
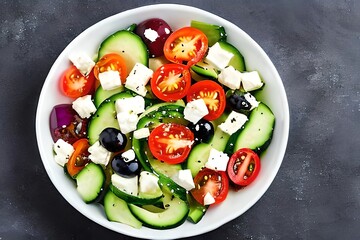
(177, 16)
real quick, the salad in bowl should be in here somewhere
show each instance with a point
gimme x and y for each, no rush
(151, 126)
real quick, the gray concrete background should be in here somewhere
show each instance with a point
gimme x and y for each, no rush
(315, 46)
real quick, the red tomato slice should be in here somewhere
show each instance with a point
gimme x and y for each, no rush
(186, 46)
(171, 82)
(212, 94)
(79, 158)
(210, 181)
(73, 84)
(243, 167)
(111, 61)
(171, 142)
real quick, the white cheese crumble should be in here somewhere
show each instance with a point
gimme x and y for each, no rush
(128, 185)
(184, 179)
(195, 110)
(142, 133)
(128, 155)
(127, 121)
(130, 105)
(218, 57)
(110, 79)
(208, 199)
(84, 106)
(230, 77)
(251, 81)
(82, 62)
(138, 78)
(233, 122)
(217, 160)
(127, 110)
(148, 183)
(98, 154)
(63, 152)
(252, 100)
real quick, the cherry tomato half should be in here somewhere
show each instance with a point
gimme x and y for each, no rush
(210, 181)
(79, 158)
(73, 84)
(171, 142)
(187, 45)
(212, 94)
(243, 167)
(171, 82)
(111, 61)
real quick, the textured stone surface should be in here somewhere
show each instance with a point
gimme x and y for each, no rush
(315, 46)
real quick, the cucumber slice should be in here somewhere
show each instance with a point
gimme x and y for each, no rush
(90, 181)
(101, 94)
(157, 106)
(117, 210)
(257, 132)
(104, 117)
(197, 210)
(128, 45)
(141, 199)
(214, 33)
(206, 70)
(237, 61)
(175, 213)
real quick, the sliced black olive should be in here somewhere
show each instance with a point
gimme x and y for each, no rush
(126, 166)
(112, 139)
(203, 131)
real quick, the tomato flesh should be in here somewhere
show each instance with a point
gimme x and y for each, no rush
(171, 82)
(171, 142)
(186, 46)
(111, 61)
(213, 182)
(79, 158)
(73, 84)
(243, 167)
(212, 94)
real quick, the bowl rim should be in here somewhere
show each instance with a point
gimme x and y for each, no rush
(281, 151)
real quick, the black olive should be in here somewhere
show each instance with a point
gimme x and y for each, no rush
(238, 103)
(112, 139)
(125, 167)
(203, 130)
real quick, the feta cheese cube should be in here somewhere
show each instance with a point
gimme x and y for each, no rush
(252, 100)
(110, 80)
(218, 57)
(208, 199)
(82, 62)
(130, 105)
(233, 122)
(128, 185)
(138, 78)
(184, 179)
(142, 133)
(195, 110)
(251, 81)
(63, 152)
(84, 106)
(98, 154)
(148, 183)
(217, 160)
(128, 155)
(230, 77)
(127, 121)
